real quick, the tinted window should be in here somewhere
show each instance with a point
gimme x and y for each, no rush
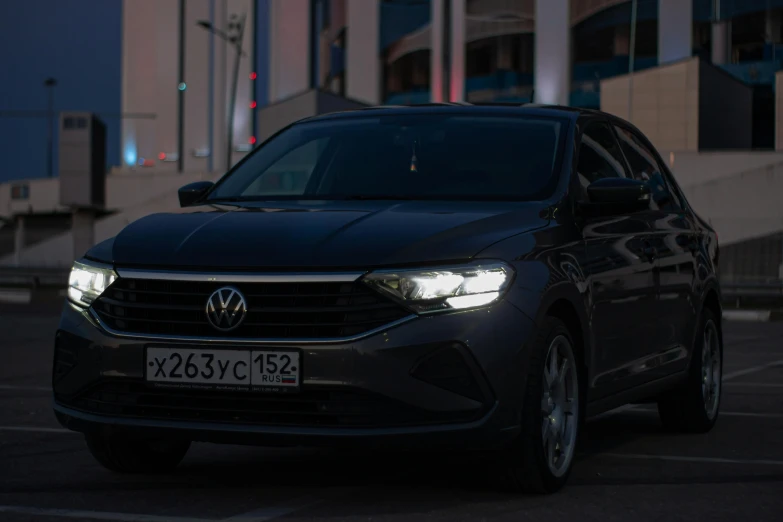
(411, 157)
(599, 155)
(645, 167)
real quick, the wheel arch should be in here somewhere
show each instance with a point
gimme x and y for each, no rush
(565, 303)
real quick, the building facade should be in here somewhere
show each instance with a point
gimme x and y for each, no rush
(411, 51)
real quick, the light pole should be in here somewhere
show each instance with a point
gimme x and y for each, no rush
(234, 37)
(50, 83)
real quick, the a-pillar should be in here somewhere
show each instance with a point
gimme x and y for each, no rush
(363, 74)
(82, 231)
(675, 30)
(553, 52)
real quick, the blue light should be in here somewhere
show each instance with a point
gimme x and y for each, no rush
(130, 155)
(141, 161)
(182, 86)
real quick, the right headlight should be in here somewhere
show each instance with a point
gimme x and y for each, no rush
(88, 281)
(448, 288)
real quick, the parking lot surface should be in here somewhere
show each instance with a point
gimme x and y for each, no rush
(628, 469)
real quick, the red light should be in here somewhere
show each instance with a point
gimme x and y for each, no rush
(252, 140)
(253, 104)
(253, 76)
(162, 156)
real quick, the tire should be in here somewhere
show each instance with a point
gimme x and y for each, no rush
(123, 455)
(687, 409)
(528, 467)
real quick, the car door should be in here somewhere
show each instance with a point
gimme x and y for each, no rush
(619, 270)
(675, 242)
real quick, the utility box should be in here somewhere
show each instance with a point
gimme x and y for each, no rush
(82, 162)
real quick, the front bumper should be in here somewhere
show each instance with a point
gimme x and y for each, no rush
(452, 378)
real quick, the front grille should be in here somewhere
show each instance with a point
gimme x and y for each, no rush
(316, 408)
(275, 310)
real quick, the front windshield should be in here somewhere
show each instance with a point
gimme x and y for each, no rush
(427, 156)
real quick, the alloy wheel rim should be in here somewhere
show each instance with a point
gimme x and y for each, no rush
(710, 370)
(559, 406)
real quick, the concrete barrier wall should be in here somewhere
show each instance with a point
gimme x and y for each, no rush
(123, 190)
(743, 206)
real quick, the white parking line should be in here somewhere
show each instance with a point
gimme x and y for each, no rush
(95, 515)
(676, 458)
(35, 429)
(24, 388)
(753, 369)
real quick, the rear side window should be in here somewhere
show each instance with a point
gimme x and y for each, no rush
(645, 167)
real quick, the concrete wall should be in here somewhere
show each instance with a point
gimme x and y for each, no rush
(665, 103)
(122, 191)
(743, 206)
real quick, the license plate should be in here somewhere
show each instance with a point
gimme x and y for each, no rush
(256, 370)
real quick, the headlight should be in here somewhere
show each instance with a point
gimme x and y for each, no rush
(87, 282)
(440, 289)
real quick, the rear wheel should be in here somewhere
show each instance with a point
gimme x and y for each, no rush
(543, 454)
(125, 455)
(694, 406)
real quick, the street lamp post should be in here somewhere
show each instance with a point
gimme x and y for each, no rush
(50, 83)
(234, 37)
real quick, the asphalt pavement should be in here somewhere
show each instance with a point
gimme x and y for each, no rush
(627, 468)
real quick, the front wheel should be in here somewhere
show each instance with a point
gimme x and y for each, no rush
(123, 455)
(542, 456)
(694, 406)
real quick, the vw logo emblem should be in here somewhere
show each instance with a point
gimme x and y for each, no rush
(226, 308)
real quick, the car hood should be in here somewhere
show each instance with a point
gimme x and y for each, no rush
(328, 234)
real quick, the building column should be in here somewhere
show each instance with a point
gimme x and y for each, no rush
(721, 42)
(553, 52)
(675, 30)
(457, 53)
(363, 74)
(289, 46)
(436, 54)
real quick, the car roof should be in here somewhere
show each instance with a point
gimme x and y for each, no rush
(529, 109)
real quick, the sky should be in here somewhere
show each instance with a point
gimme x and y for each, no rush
(78, 42)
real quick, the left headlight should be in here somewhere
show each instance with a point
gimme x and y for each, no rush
(441, 289)
(88, 281)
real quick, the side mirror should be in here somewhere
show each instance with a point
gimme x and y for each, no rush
(191, 193)
(618, 195)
